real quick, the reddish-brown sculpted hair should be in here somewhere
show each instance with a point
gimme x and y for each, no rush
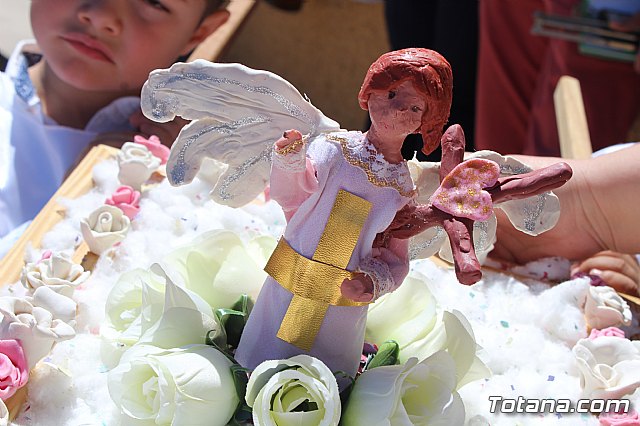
(431, 76)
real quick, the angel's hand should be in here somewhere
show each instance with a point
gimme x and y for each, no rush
(290, 142)
(358, 289)
(529, 184)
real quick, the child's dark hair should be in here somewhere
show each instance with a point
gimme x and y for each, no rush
(213, 5)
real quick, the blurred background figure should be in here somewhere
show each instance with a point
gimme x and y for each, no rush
(518, 72)
(449, 27)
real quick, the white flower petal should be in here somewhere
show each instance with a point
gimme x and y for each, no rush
(190, 386)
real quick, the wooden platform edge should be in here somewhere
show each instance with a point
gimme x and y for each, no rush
(214, 45)
(78, 183)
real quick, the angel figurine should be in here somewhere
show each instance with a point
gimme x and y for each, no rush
(340, 190)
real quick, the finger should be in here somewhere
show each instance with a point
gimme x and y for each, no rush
(349, 289)
(612, 261)
(620, 282)
(619, 271)
(364, 297)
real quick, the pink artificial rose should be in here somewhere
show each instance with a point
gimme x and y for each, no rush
(620, 419)
(13, 368)
(154, 145)
(609, 331)
(126, 199)
(45, 255)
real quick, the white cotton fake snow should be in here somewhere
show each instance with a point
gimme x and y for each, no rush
(526, 331)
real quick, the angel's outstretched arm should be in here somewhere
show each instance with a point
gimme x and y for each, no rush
(293, 175)
(529, 184)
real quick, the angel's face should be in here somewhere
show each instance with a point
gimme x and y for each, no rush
(397, 112)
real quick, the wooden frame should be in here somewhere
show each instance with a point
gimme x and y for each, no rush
(78, 183)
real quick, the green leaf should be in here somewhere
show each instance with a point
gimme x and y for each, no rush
(233, 320)
(240, 379)
(387, 355)
(243, 412)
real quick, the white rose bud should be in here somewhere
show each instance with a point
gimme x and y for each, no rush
(605, 308)
(104, 227)
(297, 391)
(136, 164)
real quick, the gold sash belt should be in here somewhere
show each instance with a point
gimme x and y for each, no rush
(315, 283)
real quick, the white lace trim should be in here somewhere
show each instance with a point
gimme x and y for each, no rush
(358, 151)
(292, 162)
(379, 273)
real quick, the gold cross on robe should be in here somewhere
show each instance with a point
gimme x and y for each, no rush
(315, 283)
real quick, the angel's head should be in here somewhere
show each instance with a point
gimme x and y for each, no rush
(431, 77)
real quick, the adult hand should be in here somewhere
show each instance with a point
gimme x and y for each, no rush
(599, 208)
(618, 270)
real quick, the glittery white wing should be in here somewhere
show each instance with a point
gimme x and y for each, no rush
(237, 112)
(533, 215)
(426, 176)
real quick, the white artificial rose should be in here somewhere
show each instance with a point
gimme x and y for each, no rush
(141, 309)
(186, 319)
(297, 391)
(609, 366)
(411, 317)
(58, 272)
(61, 307)
(192, 385)
(33, 326)
(220, 267)
(136, 164)
(104, 227)
(415, 393)
(605, 308)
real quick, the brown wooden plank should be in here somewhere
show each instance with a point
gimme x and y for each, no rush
(213, 46)
(571, 119)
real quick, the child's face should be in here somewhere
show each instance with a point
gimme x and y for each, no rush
(112, 45)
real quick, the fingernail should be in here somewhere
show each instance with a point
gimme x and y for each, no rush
(595, 271)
